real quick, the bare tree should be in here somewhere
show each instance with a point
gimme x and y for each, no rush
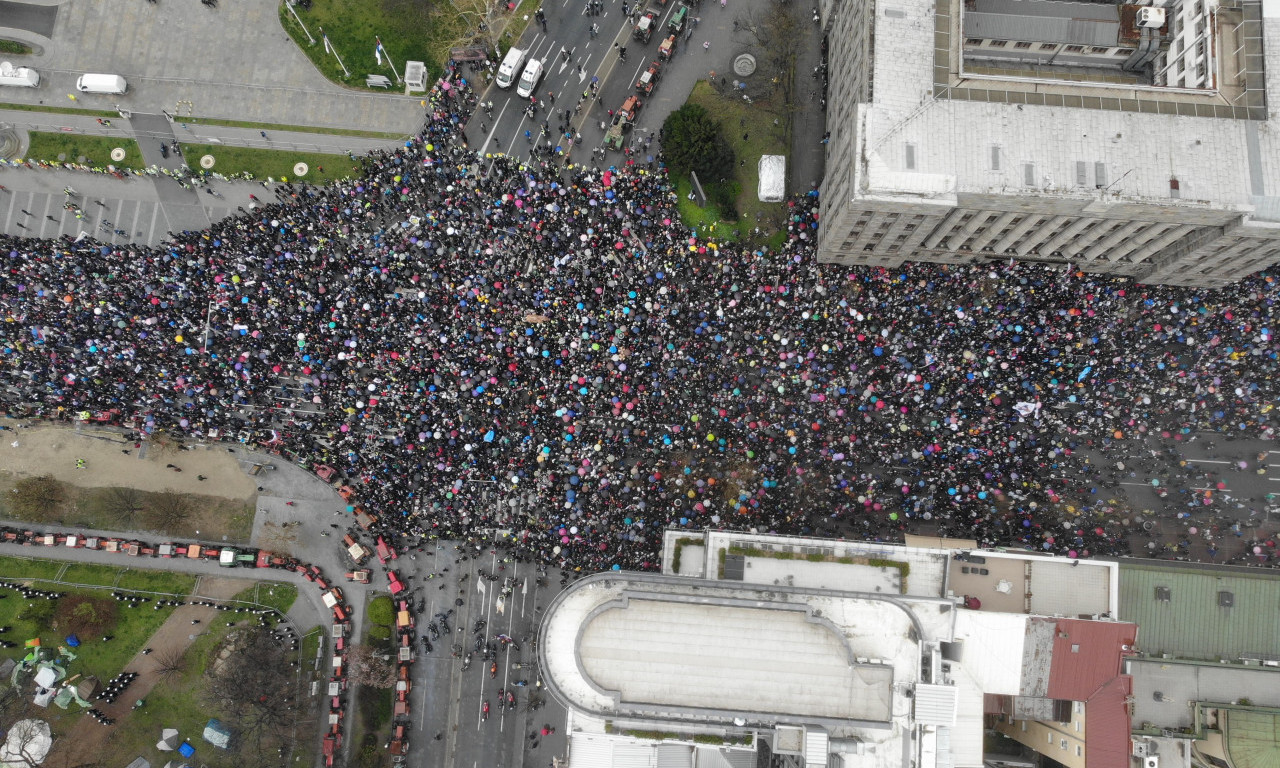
(171, 663)
(775, 31)
(365, 666)
(169, 509)
(124, 504)
(27, 743)
(37, 498)
(255, 688)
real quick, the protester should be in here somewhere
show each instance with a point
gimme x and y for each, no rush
(478, 343)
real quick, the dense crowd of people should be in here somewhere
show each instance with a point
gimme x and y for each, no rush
(478, 343)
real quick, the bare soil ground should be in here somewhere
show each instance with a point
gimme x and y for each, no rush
(54, 451)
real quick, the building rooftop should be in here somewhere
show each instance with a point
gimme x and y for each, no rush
(1201, 614)
(659, 648)
(1049, 21)
(655, 650)
(1163, 690)
(1087, 656)
(1106, 147)
(1250, 738)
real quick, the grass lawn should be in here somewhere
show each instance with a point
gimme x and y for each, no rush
(105, 660)
(407, 32)
(14, 47)
(352, 25)
(22, 568)
(177, 703)
(276, 595)
(86, 573)
(270, 163)
(156, 581)
(61, 110)
(70, 147)
(756, 122)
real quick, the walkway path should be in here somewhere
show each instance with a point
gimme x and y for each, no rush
(146, 209)
(87, 738)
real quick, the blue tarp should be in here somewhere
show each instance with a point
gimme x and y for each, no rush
(73, 641)
(186, 750)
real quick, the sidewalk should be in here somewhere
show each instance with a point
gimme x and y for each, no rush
(145, 208)
(808, 153)
(198, 133)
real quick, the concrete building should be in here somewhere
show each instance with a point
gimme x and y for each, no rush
(1131, 140)
(791, 651)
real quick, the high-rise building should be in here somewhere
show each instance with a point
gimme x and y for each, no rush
(1134, 140)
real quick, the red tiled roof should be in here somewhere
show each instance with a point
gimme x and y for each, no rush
(1086, 656)
(1106, 725)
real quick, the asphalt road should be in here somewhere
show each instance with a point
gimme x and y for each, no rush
(568, 29)
(448, 701)
(38, 19)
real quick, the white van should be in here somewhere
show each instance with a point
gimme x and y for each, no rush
(22, 77)
(510, 67)
(529, 80)
(101, 84)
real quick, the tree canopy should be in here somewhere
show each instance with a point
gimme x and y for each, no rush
(693, 141)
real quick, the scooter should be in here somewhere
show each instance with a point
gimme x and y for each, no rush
(493, 670)
(511, 701)
(484, 713)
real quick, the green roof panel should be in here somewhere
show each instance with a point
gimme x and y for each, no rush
(1201, 613)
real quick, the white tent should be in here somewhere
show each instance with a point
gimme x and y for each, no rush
(168, 740)
(27, 744)
(46, 677)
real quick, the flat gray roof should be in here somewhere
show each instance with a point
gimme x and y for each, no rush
(649, 647)
(776, 659)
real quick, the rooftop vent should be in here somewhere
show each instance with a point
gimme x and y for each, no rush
(1163, 594)
(1226, 600)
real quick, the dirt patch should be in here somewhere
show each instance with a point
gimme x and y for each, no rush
(55, 450)
(87, 740)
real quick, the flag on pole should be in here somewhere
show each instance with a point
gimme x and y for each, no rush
(377, 52)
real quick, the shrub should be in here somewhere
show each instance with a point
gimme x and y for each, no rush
(382, 611)
(86, 615)
(695, 142)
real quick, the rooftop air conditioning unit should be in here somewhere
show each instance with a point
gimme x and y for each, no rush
(1151, 18)
(1150, 761)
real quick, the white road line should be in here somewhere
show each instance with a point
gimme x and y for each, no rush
(1210, 461)
(1140, 485)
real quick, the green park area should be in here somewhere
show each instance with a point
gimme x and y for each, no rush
(44, 499)
(414, 30)
(373, 706)
(232, 669)
(270, 163)
(79, 148)
(721, 139)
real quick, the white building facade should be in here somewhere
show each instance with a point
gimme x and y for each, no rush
(1123, 139)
